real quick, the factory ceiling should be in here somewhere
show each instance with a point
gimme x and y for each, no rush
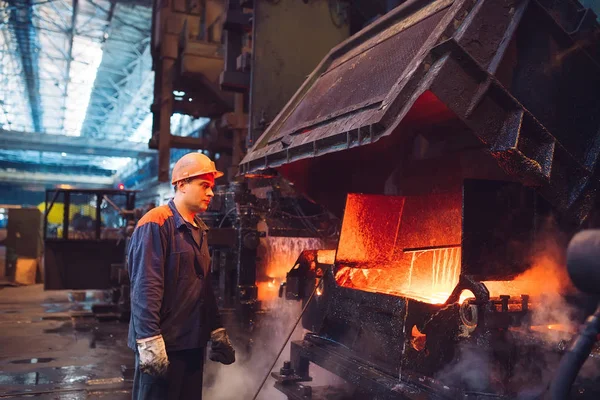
(75, 88)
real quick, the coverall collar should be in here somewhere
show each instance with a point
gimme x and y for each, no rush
(179, 221)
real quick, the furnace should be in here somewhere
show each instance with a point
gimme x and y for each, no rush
(419, 282)
(447, 134)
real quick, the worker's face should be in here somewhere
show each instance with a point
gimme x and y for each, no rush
(198, 192)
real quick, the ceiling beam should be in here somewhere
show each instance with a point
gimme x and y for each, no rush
(109, 18)
(22, 25)
(44, 178)
(12, 140)
(71, 35)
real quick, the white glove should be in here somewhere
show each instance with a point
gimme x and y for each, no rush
(153, 356)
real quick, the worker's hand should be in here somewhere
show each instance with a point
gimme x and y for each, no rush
(221, 349)
(153, 356)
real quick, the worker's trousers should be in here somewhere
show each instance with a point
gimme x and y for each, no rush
(183, 381)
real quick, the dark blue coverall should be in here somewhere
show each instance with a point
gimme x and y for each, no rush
(171, 295)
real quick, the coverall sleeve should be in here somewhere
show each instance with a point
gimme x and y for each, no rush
(146, 264)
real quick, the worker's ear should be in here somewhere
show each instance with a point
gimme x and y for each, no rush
(181, 185)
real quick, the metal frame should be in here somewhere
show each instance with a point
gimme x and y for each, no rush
(65, 258)
(372, 382)
(41, 57)
(506, 123)
(14, 140)
(100, 193)
(21, 16)
(127, 100)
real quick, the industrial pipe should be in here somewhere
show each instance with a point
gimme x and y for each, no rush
(583, 266)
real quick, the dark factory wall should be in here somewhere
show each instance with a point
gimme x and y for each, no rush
(16, 195)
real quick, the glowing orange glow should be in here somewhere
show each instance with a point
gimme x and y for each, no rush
(369, 229)
(404, 246)
(277, 256)
(466, 294)
(543, 278)
(268, 290)
(424, 284)
(419, 340)
(563, 328)
(408, 246)
(430, 276)
(319, 289)
(326, 256)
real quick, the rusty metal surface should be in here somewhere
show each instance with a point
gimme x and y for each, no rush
(523, 77)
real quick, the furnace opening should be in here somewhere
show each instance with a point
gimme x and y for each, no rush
(410, 246)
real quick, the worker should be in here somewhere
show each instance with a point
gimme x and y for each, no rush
(173, 307)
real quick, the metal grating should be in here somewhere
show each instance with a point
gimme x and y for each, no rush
(362, 79)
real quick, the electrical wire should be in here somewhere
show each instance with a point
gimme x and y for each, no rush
(288, 338)
(225, 216)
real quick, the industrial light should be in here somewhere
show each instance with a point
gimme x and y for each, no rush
(178, 93)
(63, 154)
(121, 186)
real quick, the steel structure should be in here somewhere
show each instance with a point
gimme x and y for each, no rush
(76, 84)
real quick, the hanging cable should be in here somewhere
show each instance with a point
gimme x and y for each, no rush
(226, 215)
(288, 338)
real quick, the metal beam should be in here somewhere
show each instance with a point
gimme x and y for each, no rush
(22, 25)
(12, 140)
(121, 98)
(128, 100)
(109, 18)
(43, 178)
(70, 54)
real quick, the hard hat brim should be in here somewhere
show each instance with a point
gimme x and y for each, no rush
(217, 174)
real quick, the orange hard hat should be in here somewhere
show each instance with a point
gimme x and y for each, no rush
(193, 164)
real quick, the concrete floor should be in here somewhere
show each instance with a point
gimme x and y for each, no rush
(52, 347)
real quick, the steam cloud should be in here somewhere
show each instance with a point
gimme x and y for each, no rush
(240, 380)
(474, 368)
